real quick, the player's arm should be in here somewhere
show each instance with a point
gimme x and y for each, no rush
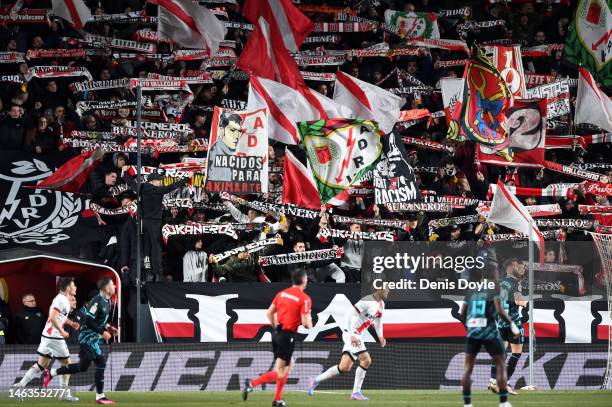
(91, 320)
(271, 314)
(518, 298)
(503, 315)
(72, 324)
(305, 313)
(463, 313)
(378, 326)
(53, 318)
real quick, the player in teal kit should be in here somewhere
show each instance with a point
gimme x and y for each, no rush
(479, 314)
(95, 327)
(512, 300)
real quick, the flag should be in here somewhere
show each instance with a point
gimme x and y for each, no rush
(481, 114)
(280, 28)
(509, 63)
(452, 91)
(260, 57)
(368, 101)
(73, 11)
(71, 176)
(592, 105)
(339, 152)
(189, 24)
(526, 136)
(508, 211)
(299, 187)
(588, 39)
(394, 180)
(413, 25)
(287, 106)
(286, 21)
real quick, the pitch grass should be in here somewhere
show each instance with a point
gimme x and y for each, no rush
(380, 398)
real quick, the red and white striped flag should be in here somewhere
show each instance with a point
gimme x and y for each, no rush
(73, 11)
(299, 187)
(508, 211)
(592, 105)
(287, 106)
(368, 101)
(189, 24)
(286, 22)
(71, 176)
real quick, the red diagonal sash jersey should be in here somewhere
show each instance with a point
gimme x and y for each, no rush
(290, 305)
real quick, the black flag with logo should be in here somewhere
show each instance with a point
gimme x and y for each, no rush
(37, 218)
(394, 180)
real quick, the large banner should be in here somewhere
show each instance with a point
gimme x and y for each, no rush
(394, 179)
(527, 123)
(207, 312)
(43, 219)
(225, 367)
(588, 41)
(238, 153)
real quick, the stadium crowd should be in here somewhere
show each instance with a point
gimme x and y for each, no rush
(37, 113)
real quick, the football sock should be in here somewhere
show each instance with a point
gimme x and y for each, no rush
(99, 379)
(63, 379)
(100, 396)
(360, 374)
(503, 395)
(328, 374)
(267, 377)
(31, 374)
(512, 362)
(467, 397)
(280, 385)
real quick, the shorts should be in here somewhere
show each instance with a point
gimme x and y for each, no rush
(53, 348)
(91, 352)
(283, 344)
(352, 351)
(493, 346)
(507, 335)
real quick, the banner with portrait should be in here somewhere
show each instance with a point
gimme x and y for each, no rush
(238, 152)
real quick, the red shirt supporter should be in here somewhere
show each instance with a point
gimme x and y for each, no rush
(290, 305)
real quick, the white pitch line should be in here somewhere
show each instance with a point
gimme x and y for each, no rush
(323, 392)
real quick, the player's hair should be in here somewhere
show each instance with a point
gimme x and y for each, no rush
(103, 282)
(64, 282)
(508, 262)
(229, 117)
(26, 295)
(297, 277)
(298, 240)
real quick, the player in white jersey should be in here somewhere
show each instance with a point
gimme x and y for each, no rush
(368, 311)
(53, 337)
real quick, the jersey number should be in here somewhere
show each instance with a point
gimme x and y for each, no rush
(478, 308)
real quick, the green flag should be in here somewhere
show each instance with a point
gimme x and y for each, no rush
(589, 39)
(339, 152)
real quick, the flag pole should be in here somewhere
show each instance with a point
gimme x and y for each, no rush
(531, 310)
(139, 208)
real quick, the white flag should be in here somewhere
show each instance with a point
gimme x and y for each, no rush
(508, 211)
(287, 106)
(368, 101)
(592, 105)
(189, 24)
(73, 11)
